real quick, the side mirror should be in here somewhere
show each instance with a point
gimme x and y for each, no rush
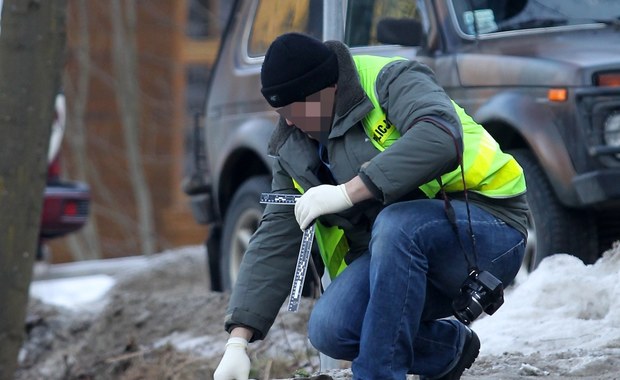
(402, 31)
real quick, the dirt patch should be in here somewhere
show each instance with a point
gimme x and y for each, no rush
(160, 322)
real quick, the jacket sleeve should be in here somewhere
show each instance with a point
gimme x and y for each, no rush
(267, 268)
(407, 91)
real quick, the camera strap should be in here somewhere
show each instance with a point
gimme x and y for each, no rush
(457, 138)
(451, 215)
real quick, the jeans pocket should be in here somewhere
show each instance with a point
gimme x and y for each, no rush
(506, 265)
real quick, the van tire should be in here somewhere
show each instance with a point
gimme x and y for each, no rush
(554, 229)
(242, 219)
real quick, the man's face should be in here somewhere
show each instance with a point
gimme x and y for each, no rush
(313, 116)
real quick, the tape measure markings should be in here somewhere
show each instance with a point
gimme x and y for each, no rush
(303, 258)
(269, 198)
(301, 268)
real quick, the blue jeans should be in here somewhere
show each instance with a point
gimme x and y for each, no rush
(384, 312)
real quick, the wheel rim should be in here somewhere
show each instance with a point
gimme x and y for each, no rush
(529, 258)
(530, 248)
(244, 229)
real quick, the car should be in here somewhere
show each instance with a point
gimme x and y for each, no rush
(542, 77)
(65, 203)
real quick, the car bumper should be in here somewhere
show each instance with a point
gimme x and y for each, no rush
(202, 208)
(598, 187)
(65, 208)
(200, 193)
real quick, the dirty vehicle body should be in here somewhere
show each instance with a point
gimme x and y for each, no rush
(542, 76)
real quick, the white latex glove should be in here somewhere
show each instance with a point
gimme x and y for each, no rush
(235, 364)
(320, 200)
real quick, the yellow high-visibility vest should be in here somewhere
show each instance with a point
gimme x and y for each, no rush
(487, 170)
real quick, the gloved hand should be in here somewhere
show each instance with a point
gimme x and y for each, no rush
(320, 200)
(235, 364)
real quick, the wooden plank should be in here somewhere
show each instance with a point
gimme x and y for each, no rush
(199, 51)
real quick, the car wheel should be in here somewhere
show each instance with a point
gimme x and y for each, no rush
(553, 228)
(240, 223)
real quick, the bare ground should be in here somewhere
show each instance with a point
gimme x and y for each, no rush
(160, 322)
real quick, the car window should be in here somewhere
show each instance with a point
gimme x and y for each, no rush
(493, 16)
(364, 15)
(275, 17)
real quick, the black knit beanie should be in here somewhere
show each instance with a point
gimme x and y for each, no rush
(295, 66)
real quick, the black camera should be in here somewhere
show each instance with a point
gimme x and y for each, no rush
(480, 292)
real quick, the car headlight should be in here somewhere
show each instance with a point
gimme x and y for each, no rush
(612, 130)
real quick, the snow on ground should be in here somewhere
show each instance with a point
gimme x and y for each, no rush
(564, 317)
(565, 311)
(563, 304)
(74, 292)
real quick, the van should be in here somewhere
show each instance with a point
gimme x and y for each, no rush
(542, 76)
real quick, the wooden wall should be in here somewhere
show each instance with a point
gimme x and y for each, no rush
(94, 149)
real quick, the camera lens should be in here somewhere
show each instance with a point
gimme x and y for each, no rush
(480, 292)
(467, 308)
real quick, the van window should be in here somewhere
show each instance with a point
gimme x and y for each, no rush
(363, 16)
(490, 16)
(276, 17)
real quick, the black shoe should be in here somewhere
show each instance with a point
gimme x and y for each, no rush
(471, 348)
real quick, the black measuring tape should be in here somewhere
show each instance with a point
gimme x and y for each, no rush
(304, 249)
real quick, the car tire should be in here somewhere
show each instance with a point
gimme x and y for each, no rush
(554, 228)
(242, 219)
(213, 251)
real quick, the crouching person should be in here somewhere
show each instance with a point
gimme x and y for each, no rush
(399, 180)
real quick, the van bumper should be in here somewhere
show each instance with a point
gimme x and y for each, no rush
(201, 206)
(598, 187)
(200, 194)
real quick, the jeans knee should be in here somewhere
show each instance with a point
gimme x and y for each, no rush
(387, 219)
(328, 336)
(387, 225)
(317, 329)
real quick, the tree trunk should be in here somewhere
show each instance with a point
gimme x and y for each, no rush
(31, 47)
(127, 95)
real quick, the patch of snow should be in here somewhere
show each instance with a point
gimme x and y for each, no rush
(73, 293)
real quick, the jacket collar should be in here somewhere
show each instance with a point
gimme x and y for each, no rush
(352, 104)
(350, 91)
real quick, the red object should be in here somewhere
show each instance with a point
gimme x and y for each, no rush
(65, 203)
(65, 208)
(610, 79)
